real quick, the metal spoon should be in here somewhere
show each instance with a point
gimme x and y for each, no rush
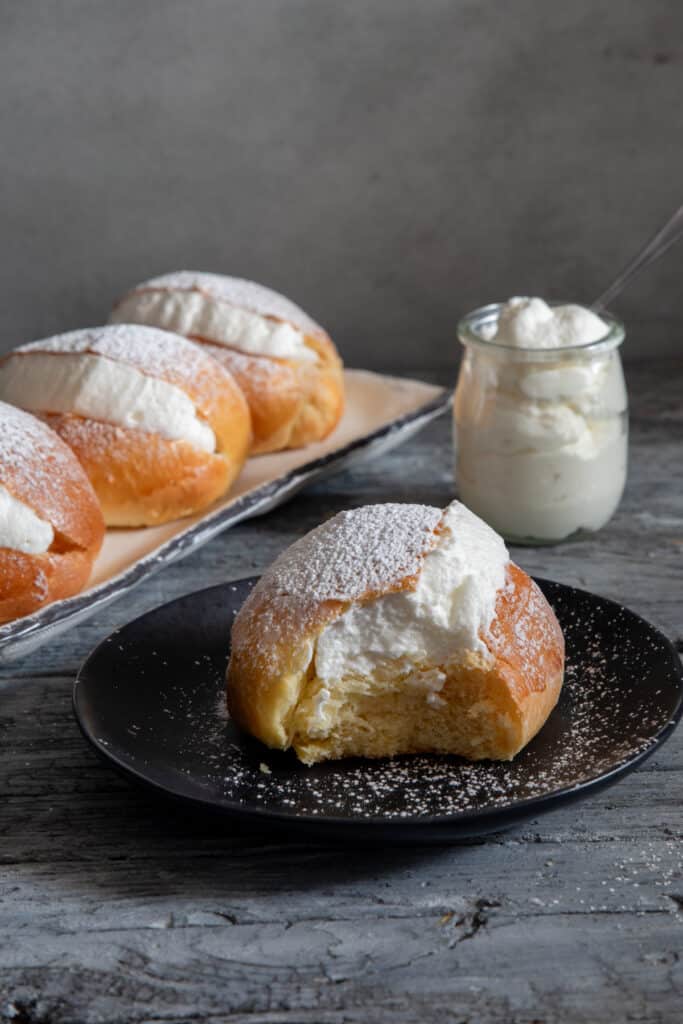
(668, 235)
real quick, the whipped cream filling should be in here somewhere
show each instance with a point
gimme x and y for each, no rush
(99, 388)
(196, 314)
(449, 611)
(20, 528)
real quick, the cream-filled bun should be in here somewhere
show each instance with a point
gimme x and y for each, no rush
(284, 362)
(395, 629)
(159, 429)
(51, 526)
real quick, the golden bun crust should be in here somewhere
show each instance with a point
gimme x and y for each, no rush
(490, 705)
(142, 478)
(28, 582)
(145, 479)
(41, 471)
(273, 391)
(293, 402)
(528, 646)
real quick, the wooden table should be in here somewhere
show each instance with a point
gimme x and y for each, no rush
(115, 907)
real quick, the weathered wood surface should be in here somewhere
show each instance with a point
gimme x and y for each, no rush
(114, 907)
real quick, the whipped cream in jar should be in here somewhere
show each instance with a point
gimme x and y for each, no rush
(541, 419)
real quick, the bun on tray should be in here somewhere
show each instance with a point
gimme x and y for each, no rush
(285, 363)
(395, 629)
(51, 527)
(160, 430)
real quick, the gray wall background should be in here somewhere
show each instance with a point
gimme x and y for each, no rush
(387, 163)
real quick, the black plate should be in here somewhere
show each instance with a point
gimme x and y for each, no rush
(150, 700)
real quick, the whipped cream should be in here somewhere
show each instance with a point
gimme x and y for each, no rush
(542, 444)
(198, 314)
(99, 388)
(20, 528)
(532, 323)
(449, 611)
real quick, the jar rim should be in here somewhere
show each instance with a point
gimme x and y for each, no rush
(470, 326)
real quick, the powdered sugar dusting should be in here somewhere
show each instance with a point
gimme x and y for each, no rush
(262, 372)
(37, 467)
(155, 352)
(360, 553)
(526, 634)
(238, 292)
(449, 611)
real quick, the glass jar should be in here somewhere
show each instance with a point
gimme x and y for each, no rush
(540, 434)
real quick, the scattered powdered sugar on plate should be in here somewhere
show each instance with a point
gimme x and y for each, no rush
(238, 292)
(609, 712)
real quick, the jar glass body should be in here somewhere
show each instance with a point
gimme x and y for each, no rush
(540, 435)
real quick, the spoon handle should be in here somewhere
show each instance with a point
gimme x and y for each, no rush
(668, 235)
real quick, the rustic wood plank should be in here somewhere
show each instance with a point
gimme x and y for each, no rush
(116, 907)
